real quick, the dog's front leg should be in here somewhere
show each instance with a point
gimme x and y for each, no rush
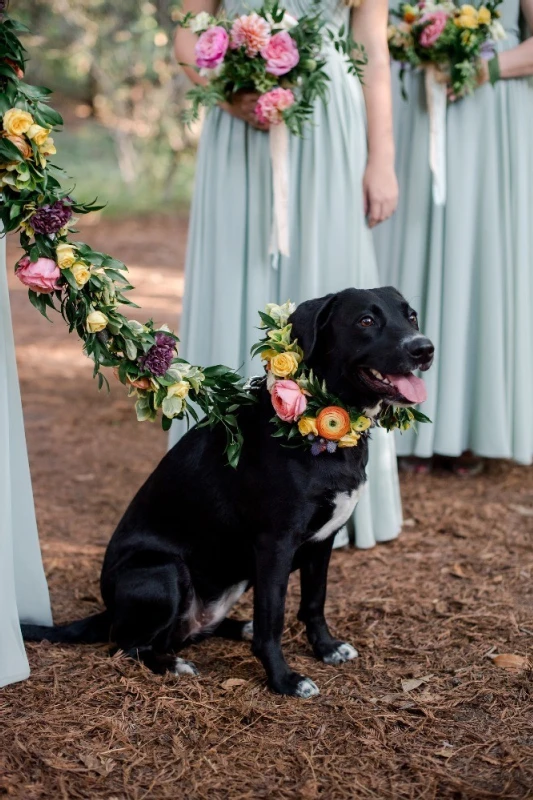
(313, 579)
(273, 562)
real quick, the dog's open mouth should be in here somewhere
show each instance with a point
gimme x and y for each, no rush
(406, 389)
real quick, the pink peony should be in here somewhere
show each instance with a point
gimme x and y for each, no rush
(211, 47)
(250, 31)
(281, 54)
(288, 400)
(270, 105)
(434, 26)
(39, 276)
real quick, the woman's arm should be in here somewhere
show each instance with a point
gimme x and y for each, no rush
(369, 27)
(517, 62)
(243, 104)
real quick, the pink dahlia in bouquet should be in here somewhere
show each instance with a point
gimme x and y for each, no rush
(271, 53)
(449, 37)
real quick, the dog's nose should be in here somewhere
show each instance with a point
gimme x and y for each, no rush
(421, 349)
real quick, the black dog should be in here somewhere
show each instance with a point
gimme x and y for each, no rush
(199, 533)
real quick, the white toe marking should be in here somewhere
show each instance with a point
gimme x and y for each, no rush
(307, 688)
(183, 667)
(344, 652)
(248, 631)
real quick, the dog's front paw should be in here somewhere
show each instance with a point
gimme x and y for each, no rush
(247, 632)
(183, 667)
(295, 685)
(341, 652)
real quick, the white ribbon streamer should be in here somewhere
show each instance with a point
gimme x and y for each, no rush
(437, 103)
(279, 158)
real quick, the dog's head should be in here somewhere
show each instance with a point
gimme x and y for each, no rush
(365, 344)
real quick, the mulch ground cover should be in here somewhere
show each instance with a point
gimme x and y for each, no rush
(432, 709)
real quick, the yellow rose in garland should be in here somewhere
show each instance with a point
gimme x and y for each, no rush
(307, 425)
(81, 273)
(362, 424)
(350, 439)
(284, 364)
(96, 321)
(66, 255)
(38, 134)
(179, 389)
(17, 122)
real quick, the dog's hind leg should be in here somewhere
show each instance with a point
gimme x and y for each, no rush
(235, 629)
(313, 578)
(145, 616)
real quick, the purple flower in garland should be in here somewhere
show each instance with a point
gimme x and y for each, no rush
(50, 219)
(160, 356)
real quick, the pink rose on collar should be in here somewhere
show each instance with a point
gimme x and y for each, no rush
(211, 47)
(434, 26)
(288, 400)
(281, 54)
(39, 276)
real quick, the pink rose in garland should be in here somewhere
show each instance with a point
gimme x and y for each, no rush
(281, 54)
(211, 48)
(288, 400)
(250, 31)
(270, 106)
(40, 276)
(434, 26)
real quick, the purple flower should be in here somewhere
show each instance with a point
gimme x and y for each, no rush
(160, 356)
(318, 447)
(331, 447)
(50, 219)
(487, 50)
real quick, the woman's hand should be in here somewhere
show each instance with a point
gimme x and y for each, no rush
(242, 107)
(380, 192)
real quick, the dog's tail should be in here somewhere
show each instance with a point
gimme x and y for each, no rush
(91, 630)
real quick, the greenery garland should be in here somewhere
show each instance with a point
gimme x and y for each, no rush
(307, 414)
(86, 286)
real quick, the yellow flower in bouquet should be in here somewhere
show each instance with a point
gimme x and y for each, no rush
(65, 255)
(484, 16)
(467, 17)
(307, 425)
(179, 389)
(17, 122)
(48, 147)
(96, 321)
(81, 273)
(284, 364)
(38, 134)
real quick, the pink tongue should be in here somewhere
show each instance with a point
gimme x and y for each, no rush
(411, 387)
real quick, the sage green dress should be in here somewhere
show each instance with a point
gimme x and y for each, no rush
(23, 590)
(230, 275)
(468, 266)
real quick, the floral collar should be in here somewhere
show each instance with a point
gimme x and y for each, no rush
(307, 414)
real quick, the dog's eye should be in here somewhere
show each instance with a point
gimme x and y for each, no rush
(413, 319)
(366, 322)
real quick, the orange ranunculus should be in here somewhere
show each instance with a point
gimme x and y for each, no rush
(21, 144)
(333, 423)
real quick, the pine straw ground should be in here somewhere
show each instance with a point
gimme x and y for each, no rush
(435, 605)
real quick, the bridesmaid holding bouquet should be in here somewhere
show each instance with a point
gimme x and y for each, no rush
(342, 183)
(467, 264)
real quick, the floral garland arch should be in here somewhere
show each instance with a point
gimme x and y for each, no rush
(86, 286)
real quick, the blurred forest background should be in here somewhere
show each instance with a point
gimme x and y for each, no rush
(121, 93)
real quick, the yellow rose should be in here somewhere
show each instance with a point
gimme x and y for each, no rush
(307, 425)
(362, 424)
(180, 389)
(266, 355)
(284, 364)
(484, 16)
(467, 18)
(469, 11)
(350, 439)
(96, 321)
(48, 148)
(66, 255)
(81, 273)
(38, 134)
(17, 122)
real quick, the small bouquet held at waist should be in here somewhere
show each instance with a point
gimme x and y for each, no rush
(448, 42)
(453, 39)
(280, 58)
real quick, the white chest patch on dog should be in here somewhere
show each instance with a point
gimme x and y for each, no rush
(203, 616)
(343, 506)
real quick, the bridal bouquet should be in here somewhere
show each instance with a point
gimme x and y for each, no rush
(451, 38)
(281, 58)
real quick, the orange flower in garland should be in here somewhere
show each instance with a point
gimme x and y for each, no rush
(333, 423)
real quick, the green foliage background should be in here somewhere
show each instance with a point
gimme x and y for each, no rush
(122, 95)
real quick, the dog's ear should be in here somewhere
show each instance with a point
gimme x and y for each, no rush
(309, 319)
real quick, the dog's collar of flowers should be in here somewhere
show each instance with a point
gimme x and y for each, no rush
(307, 414)
(88, 286)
